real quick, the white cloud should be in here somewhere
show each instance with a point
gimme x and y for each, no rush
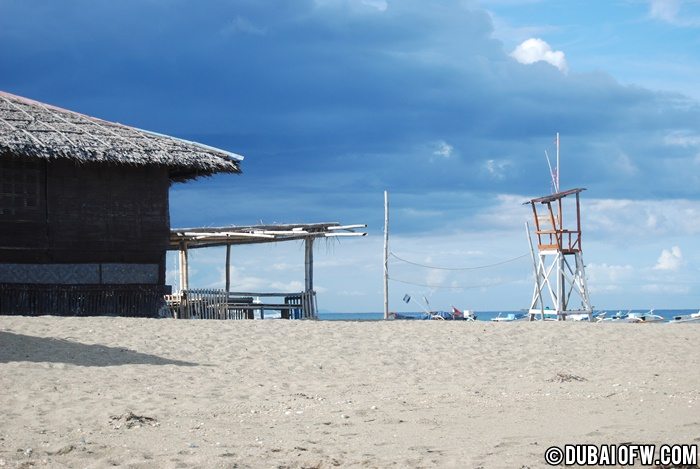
(623, 217)
(613, 219)
(604, 273)
(380, 5)
(242, 25)
(625, 165)
(497, 169)
(443, 149)
(292, 286)
(436, 277)
(536, 50)
(419, 213)
(376, 5)
(670, 12)
(608, 278)
(665, 288)
(670, 260)
(682, 139)
(664, 10)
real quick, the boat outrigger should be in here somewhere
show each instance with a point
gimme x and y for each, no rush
(455, 315)
(631, 317)
(694, 317)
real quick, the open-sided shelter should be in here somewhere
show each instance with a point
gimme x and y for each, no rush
(84, 216)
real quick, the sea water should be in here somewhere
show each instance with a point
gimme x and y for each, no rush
(487, 315)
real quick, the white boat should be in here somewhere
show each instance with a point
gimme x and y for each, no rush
(644, 317)
(632, 317)
(467, 314)
(617, 317)
(510, 317)
(695, 317)
(578, 317)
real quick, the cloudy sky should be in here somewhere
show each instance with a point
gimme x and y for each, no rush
(448, 105)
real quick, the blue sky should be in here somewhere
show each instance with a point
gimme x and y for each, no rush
(449, 105)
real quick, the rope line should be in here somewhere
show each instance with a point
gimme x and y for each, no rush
(470, 287)
(459, 268)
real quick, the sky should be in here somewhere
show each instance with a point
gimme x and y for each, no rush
(448, 105)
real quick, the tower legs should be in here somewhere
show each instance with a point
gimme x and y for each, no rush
(553, 296)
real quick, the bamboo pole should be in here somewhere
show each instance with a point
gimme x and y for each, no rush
(309, 274)
(386, 255)
(184, 270)
(228, 269)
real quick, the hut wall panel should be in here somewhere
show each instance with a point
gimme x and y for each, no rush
(129, 273)
(82, 300)
(128, 205)
(67, 274)
(84, 214)
(50, 273)
(22, 204)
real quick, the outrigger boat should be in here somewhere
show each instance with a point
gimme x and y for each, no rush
(510, 317)
(632, 317)
(695, 317)
(455, 315)
(645, 317)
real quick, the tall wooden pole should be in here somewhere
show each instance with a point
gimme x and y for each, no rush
(309, 265)
(386, 255)
(309, 303)
(184, 268)
(228, 269)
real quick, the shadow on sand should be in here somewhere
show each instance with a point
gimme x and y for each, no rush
(27, 348)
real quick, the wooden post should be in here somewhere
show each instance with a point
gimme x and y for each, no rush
(309, 275)
(561, 286)
(538, 291)
(184, 281)
(184, 268)
(386, 255)
(578, 222)
(228, 270)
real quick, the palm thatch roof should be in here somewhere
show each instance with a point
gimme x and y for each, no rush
(32, 129)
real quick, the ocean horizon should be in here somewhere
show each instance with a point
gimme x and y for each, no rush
(488, 315)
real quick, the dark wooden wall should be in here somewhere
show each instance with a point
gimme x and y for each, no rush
(61, 212)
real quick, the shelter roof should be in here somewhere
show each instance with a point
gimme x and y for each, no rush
(256, 234)
(36, 130)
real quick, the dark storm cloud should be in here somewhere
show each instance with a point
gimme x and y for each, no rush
(334, 101)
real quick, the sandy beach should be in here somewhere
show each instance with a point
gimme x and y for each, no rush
(103, 392)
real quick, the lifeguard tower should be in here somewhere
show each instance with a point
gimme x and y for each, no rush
(560, 277)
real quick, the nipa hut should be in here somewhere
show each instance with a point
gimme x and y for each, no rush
(84, 217)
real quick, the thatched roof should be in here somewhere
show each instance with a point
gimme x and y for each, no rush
(37, 130)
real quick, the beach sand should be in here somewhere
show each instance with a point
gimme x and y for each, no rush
(103, 392)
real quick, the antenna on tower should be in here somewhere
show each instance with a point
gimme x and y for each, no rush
(555, 189)
(557, 184)
(554, 173)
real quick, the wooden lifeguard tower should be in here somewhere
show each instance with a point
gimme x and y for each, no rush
(559, 256)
